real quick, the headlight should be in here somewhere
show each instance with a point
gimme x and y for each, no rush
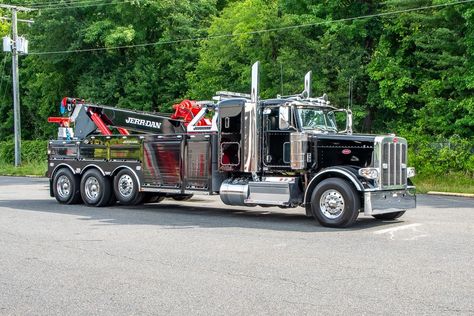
(411, 172)
(369, 173)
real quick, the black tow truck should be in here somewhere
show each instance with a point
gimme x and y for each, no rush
(288, 152)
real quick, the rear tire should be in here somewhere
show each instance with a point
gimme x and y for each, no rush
(95, 188)
(126, 188)
(389, 216)
(335, 203)
(66, 187)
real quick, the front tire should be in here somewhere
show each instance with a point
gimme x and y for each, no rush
(335, 203)
(389, 216)
(66, 187)
(95, 188)
(126, 188)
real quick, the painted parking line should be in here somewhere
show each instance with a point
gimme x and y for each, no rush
(394, 229)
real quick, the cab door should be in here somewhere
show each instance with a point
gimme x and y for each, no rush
(276, 141)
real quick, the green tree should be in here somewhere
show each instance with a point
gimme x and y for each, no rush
(422, 68)
(335, 52)
(6, 106)
(148, 77)
(412, 71)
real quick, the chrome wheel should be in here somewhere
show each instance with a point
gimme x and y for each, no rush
(66, 187)
(125, 185)
(92, 188)
(127, 188)
(63, 186)
(335, 203)
(331, 204)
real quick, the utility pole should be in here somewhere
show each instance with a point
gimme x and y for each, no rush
(16, 83)
(16, 91)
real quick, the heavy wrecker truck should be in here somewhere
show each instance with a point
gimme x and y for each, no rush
(287, 152)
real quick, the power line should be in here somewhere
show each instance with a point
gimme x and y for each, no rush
(79, 5)
(63, 3)
(52, 6)
(53, 3)
(284, 28)
(19, 20)
(14, 7)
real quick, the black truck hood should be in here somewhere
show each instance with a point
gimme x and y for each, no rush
(342, 149)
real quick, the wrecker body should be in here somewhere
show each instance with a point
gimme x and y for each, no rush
(284, 152)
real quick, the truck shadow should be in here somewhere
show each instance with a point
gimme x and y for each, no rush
(189, 216)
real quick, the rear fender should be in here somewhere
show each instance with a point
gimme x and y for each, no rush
(117, 170)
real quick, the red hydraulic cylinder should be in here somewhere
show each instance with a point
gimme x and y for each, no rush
(62, 121)
(123, 131)
(100, 124)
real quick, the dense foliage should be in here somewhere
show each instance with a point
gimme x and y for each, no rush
(31, 151)
(412, 71)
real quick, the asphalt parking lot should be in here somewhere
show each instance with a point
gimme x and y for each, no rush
(202, 257)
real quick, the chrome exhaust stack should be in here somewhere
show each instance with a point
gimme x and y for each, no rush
(251, 146)
(255, 86)
(308, 78)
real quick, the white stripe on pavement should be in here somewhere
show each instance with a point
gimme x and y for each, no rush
(394, 229)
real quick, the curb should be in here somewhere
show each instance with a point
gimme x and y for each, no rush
(21, 176)
(469, 195)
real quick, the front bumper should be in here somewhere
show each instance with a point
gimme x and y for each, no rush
(382, 202)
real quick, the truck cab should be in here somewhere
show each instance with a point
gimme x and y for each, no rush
(301, 151)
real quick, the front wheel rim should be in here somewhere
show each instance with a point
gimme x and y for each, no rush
(331, 204)
(63, 186)
(92, 188)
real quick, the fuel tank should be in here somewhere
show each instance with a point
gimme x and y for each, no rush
(234, 191)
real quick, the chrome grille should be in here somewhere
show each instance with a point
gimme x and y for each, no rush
(394, 160)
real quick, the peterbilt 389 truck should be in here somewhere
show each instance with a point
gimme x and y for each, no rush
(288, 152)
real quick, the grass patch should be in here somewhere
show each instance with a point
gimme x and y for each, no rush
(453, 182)
(26, 169)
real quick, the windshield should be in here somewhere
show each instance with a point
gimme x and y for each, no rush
(317, 119)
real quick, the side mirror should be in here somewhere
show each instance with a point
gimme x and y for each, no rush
(349, 122)
(343, 118)
(284, 117)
